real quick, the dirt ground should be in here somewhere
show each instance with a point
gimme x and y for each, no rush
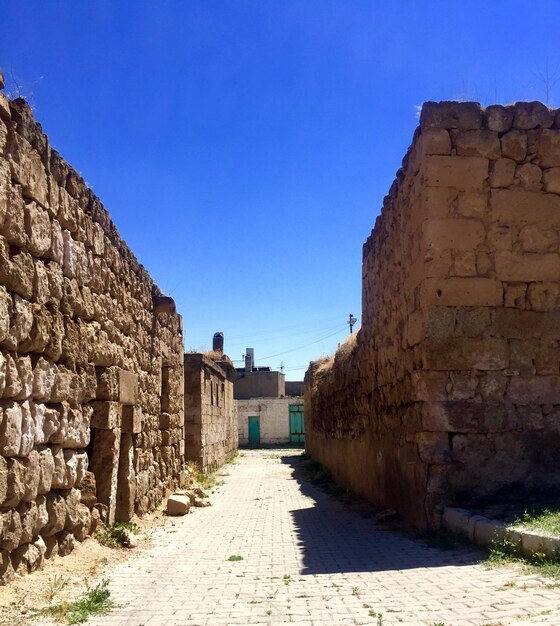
(22, 600)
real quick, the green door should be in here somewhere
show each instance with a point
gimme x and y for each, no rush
(254, 430)
(297, 426)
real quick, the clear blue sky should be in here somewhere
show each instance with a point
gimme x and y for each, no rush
(243, 148)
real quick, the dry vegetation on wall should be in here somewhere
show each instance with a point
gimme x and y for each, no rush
(91, 360)
(453, 388)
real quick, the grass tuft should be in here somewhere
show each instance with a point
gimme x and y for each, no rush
(114, 535)
(95, 601)
(234, 557)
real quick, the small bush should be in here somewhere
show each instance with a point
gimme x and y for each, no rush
(114, 535)
(95, 601)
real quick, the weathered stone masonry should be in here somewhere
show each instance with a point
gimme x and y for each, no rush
(452, 385)
(91, 359)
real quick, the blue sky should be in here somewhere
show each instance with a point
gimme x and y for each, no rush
(243, 148)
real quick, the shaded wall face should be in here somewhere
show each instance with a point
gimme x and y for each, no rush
(452, 386)
(210, 417)
(87, 363)
(274, 418)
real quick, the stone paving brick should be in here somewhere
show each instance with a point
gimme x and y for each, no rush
(309, 560)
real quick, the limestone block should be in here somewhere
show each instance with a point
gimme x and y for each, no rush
(14, 220)
(514, 206)
(77, 428)
(544, 296)
(44, 378)
(529, 115)
(16, 482)
(7, 573)
(21, 322)
(5, 312)
(511, 266)
(131, 419)
(27, 430)
(68, 210)
(461, 115)
(38, 229)
(83, 523)
(461, 292)
(51, 423)
(70, 255)
(3, 142)
(56, 509)
(46, 469)
(549, 148)
(434, 141)
(128, 387)
(29, 557)
(16, 271)
(51, 545)
(499, 118)
(178, 504)
(478, 143)
(32, 476)
(106, 414)
(28, 514)
(10, 429)
(59, 474)
(453, 233)
(536, 239)
(56, 252)
(71, 474)
(88, 490)
(529, 176)
(65, 543)
(551, 180)
(11, 530)
(514, 145)
(104, 464)
(502, 172)
(536, 389)
(454, 171)
(40, 283)
(462, 353)
(27, 169)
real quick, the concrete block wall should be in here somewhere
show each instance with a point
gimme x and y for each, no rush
(210, 413)
(86, 339)
(451, 388)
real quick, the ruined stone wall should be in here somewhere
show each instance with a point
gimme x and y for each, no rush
(451, 388)
(91, 376)
(210, 413)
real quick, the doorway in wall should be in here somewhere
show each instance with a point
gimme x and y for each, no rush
(254, 431)
(297, 426)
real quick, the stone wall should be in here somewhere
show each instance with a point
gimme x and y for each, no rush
(210, 414)
(91, 372)
(451, 388)
(274, 418)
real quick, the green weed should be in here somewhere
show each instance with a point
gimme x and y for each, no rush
(114, 535)
(95, 601)
(234, 557)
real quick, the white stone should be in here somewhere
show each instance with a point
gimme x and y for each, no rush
(178, 504)
(27, 430)
(10, 430)
(44, 377)
(70, 255)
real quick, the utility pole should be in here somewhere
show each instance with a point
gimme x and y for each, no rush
(351, 321)
(282, 366)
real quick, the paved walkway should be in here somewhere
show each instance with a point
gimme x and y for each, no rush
(310, 560)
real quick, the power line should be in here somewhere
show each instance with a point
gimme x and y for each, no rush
(270, 356)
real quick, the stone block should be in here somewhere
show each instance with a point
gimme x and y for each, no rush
(10, 429)
(549, 148)
(529, 176)
(131, 419)
(466, 416)
(38, 229)
(499, 118)
(511, 266)
(460, 115)
(434, 141)
(88, 490)
(457, 234)
(106, 414)
(478, 143)
(128, 387)
(512, 206)
(46, 469)
(178, 504)
(66, 543)
(514, 145)
(461, 353)
(528, 115)
(7, 573)
(551, 180)
(534, 390)
(454, 171)
(457, 520)
(56, 510)
(487, 531)
(461, 292)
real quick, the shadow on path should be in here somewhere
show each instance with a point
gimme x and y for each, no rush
(337, 538)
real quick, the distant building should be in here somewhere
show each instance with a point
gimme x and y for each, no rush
(269, 409)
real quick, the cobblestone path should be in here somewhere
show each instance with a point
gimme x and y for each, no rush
(308, 559)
